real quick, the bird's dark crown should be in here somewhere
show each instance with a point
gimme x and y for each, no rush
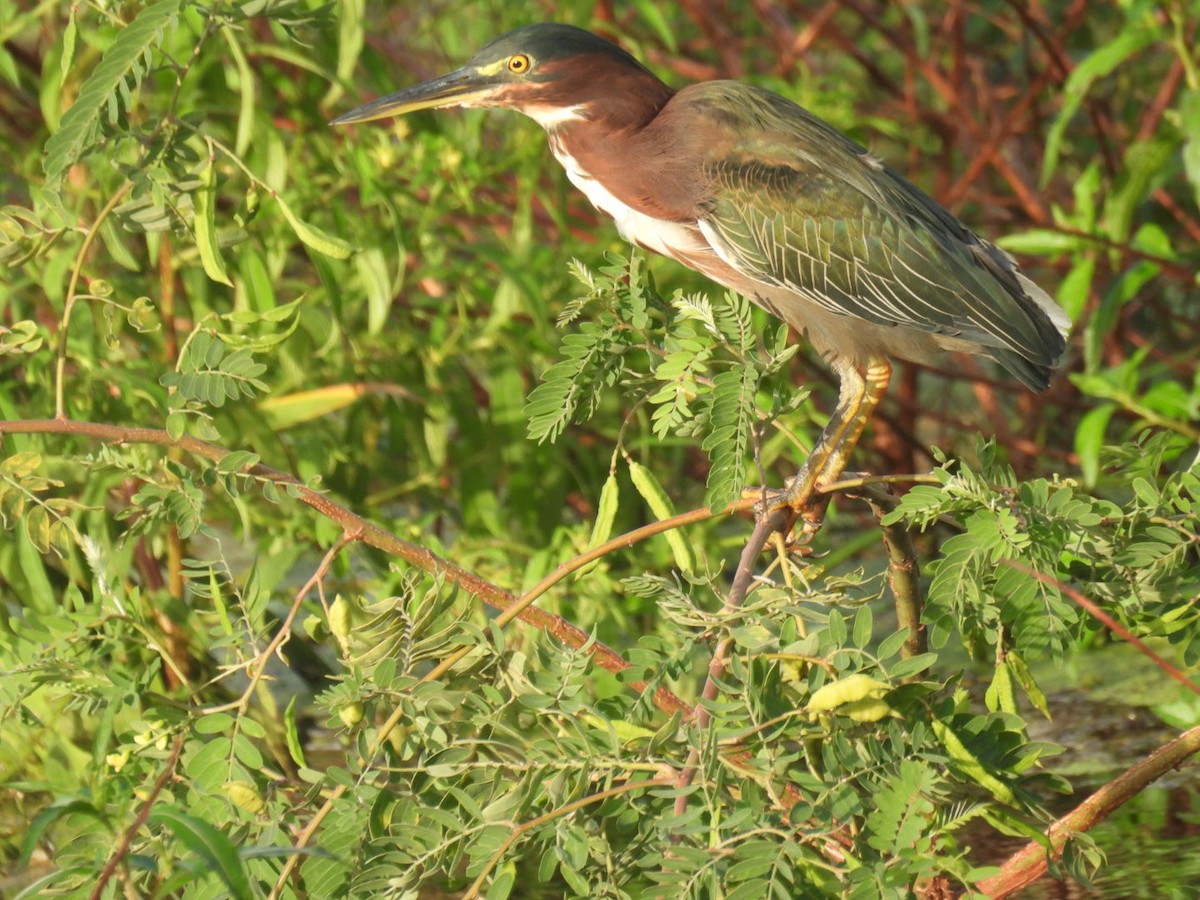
(549, 42)
(564, 67)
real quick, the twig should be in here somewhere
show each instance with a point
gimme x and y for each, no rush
(64, 326)
(143, 814)
(1108, 621)
(565, 809)
(258, 665)
(763, 528)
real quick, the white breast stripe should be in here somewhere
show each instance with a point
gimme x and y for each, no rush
(658, 235)
(550, 117)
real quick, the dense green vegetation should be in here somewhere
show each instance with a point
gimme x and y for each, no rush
(273, 453)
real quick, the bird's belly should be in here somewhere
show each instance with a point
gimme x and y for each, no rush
(657, 235)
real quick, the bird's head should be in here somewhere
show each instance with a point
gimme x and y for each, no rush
(552, 73)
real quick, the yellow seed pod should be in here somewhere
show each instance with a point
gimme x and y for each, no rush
(244, 796)
(351, 714)
(339, 621)
(851, 689)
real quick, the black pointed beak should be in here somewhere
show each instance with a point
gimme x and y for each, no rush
(461, 87)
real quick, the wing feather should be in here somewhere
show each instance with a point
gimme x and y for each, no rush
(795, 204)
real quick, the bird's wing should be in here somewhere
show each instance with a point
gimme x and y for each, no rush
(795, 204)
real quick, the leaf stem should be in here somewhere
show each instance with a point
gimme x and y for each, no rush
(60, 349)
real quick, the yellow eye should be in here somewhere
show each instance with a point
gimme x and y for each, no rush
(519, 64)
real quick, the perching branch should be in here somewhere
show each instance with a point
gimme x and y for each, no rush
(742, 578)
(904, 576)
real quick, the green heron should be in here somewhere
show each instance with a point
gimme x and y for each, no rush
(764, 198)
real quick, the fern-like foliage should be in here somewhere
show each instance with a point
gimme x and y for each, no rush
(899, 821)
(210, 374)
(1053, 526)
(707, 368)
(109, 89)
(571, 388)
(732, 421)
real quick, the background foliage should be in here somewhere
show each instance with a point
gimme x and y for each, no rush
(262, 379)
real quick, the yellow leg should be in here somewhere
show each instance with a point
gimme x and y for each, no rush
(860, 394)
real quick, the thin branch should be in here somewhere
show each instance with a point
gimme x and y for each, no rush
(904, 576)
(143, 814)
(763, 528)
(565, 809)
(372, 535)
(1108, 621)
(1031, 862)
(64, 326)
(258, 665)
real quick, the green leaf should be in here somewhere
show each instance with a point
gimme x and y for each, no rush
(651, 13)
(969, 765)
(503, 882)
(1099, 63)
(373, 271)
(863, 627)
(22, 464)
(1076, 287)
(1001, 695)
(1028, 684)
(901, 813)
(176, 425)
(47, 817)
(123, 62)
(1089, 440)
(68, 44)
(23, 337)
(591, 358)
(215, 723)
(206, 227)
(37, 528)
(660, 504)
(728, 443)
(1144, 164)
(314, 237)
(914, 665)
(237, 461)
(1189, 114)
(218, 852)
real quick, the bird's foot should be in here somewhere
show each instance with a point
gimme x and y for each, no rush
(808, 506)
(798, 503)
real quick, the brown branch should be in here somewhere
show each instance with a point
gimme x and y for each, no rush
(904, 576)
(1082, 600)
(1031, 862)
(566, 809)
(257, 667)
(143, 814)
(720, 658)
(371, 534)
